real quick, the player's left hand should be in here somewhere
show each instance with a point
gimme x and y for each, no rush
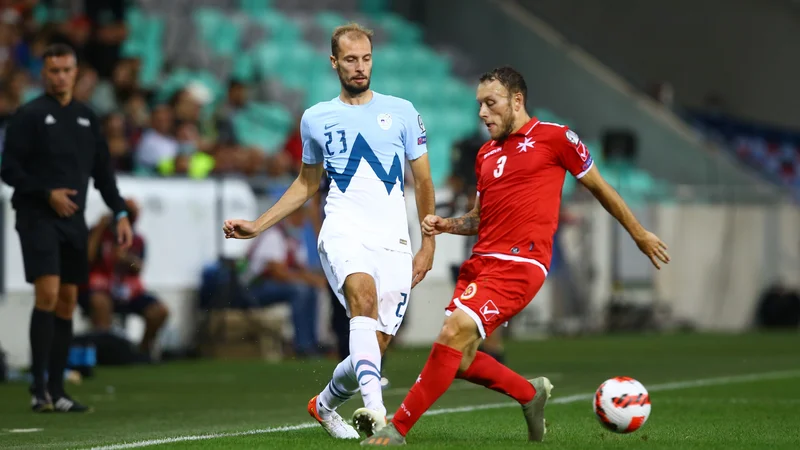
(124, 233)
(653, 247)
(423, 262)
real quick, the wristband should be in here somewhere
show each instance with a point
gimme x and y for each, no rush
(121, 215)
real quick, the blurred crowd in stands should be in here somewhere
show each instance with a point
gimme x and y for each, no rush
(144, 136)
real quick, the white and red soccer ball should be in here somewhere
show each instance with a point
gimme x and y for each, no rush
(622, 404)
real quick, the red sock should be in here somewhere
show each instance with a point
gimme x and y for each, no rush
(487, 371)
(437, 375)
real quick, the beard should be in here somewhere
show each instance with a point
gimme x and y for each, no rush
(507, 126)
(351, 88)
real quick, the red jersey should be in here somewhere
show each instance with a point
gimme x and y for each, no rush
(519, 187)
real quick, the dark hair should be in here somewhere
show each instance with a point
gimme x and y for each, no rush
(235, 82)
(512, 80)
(350, 28)
(58, 50)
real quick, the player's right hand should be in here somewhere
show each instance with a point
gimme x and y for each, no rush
(433, 225)
(239, 229)
(654, 248)
(61, 203)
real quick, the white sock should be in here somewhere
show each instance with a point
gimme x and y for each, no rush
(366, 356)
(342, 386)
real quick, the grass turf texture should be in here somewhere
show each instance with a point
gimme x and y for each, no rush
(187, 400)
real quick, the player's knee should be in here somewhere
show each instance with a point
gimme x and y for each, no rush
(458, 331)
(362, 302)
(452, 335)
(46, 292)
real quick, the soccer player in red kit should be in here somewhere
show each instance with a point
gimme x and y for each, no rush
(520, 174)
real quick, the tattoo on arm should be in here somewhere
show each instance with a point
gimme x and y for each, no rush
(466, 225)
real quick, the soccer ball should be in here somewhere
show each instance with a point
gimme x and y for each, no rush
(622, 404)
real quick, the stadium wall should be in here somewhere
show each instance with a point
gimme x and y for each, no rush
(566, 80)
(723, 256)
(732, 49)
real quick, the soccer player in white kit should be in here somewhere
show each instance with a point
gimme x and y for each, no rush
(363, 138)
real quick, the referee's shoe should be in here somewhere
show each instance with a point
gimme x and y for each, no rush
(43, 403)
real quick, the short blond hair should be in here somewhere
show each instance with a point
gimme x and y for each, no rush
(350, 28)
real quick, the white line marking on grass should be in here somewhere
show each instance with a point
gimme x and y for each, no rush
(24, 430)
(717, 381)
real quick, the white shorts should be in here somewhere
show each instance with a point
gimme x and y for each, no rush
(341, 256)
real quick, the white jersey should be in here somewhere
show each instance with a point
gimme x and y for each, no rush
(364, 149)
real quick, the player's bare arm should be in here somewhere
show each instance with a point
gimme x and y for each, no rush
(302, 189)
(647, 242)
(466, 225)
(426, 205)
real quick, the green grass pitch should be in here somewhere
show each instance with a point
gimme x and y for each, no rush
(708, 392)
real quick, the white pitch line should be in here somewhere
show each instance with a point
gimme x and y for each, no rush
(717, 381)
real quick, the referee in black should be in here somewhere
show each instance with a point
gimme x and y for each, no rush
(52, 146)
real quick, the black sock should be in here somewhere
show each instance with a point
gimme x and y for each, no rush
(62, 338)
(41, 337)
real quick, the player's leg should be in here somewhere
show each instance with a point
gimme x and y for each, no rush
(344, 383)
(40, 253)
(393, 284)
(74, 271)
(360, 292)
(474, 314)
(456, 343)
(486, 371)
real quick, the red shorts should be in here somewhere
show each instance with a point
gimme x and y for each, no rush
(122, 290)
(493, 290)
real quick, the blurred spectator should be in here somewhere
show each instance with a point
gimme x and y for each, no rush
(158, 144)
(18, 84)
(9, 37)
(114, 130)
(75, 33)
(277, 271)
(115, 283)
(188, 144)
(85, 84)
(236, 101)
(137, 113)
(108, 21)
(111, 95)
(28, 52)
(279, 169)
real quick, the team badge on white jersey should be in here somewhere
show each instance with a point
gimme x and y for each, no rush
(385, 121)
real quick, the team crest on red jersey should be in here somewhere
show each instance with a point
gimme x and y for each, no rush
(470, 291)
(489, 310)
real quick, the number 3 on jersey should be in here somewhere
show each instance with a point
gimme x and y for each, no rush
(501, 164)
(342, 139)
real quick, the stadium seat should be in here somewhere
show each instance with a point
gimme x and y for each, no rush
(374, 7)
(254, 7)
(244, 68)
(280, 27)
(399, 30)
(328, 20)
